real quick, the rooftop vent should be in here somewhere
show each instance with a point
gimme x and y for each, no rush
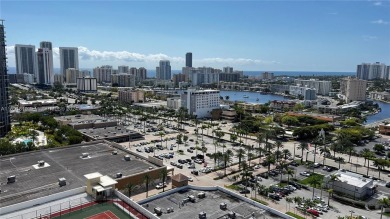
(232, 214)
(118, 175)
(114, 152)
(11, 179)
(41, 163)
(127, 157)
(223, 206)
(364, 180)
(150, 168)
(201, 195)
(158, 211)
(170, 210)
(84, 155)
(202, 215)
(191, 198)
(62, 181)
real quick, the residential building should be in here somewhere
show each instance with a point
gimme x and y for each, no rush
(200, 103)
(45, 73)
(131, 96)
(133, 71)
(279, 88)
(123, 80)
(177, 78)
(229, 77)
(227, 69)
(25, 59)
(188, 59)
(103, 74)
(368, 71)
(282, 105)
(46, 44)
(69, 58)
(141, 74)
(59, 78)
(322, 87)
(202, 75)
(71, 75)
(84, 73)
(86, 85)
(24, 78)
(163, 72)
(384, 96)
(267, 76)
(384, 129)
(350, 184)
(305, 92)
(174, 102)
(123, 69)
(5, 121)
(353, 89)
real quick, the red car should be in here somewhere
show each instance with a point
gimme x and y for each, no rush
(313, 212)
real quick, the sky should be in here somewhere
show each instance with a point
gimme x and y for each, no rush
(331, 36)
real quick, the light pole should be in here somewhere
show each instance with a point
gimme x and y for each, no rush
(294, 149)
(351, 212)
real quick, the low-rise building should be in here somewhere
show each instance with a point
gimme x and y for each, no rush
(282, 105)
(86, 121)
(131, 96)
(304, 91)
(174, 102)
(87, 85)
(37, 103)
(384, 129)
(350, 184)
(229, 114)
(384, 96)
(200, 102)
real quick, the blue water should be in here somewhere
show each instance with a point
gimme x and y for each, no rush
(252, 96)
(384, 114)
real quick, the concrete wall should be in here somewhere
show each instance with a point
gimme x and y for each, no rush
(42, 200)
(138, 179)
(135, 205)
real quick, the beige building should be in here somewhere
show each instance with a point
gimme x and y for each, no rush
(353, 89)
(71, 75)
(123, 80)
(131, 96)
(174, 102)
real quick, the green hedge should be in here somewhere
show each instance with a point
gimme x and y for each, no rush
(294, 215)
(260, 201)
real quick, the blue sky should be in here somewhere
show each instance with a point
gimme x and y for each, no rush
(248, 35)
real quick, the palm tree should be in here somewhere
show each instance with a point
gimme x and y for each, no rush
(241, 155)
(185, 139)
(302, 147)
(330, 192)
(278, 144)
(365, 153)
(380, 164)
(161, 134)
(314, 182)
(203, 127)
(286, 153)
(282, 165)
(290, 172)
(147, 179)
(384, 202)
(270, 159)
(369, 157)
(227, 158)
(179, 140)
(233, 138)
(163, 176)
(260, 139)
(288, 200)
(130, 187)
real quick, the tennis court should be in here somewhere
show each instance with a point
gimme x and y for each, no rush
(107, 210)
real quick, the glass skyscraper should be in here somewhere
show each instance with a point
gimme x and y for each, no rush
(5, 123)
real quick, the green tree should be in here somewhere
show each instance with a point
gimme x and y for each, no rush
(130, 188)
(163, 176)
(384, 202)
(241, 155)
(303, 146)
(314, 182)
(147, 180)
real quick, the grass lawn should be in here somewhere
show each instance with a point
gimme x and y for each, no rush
(313, 175)
(233, 187)
(294, 215)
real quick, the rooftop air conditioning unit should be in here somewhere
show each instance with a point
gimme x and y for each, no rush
(84, 155)
(223, 206)
(202, 215)
(127, 157)
(158, 211)
(201, 195)
(232, 214)
(191, 198)
(41, 163)
(11, 179)
(118, 175)
(170, 210)
(62, 181)
(114, 152)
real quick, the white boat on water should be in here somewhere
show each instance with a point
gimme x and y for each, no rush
(245, 96)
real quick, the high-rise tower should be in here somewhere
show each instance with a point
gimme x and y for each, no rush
(45, 66)
(163, 72)
(69, 58)
(189, 59)
(46, 44)
(25, 59)
(5, 123)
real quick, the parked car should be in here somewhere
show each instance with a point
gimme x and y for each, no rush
(195, 172)
(189, 150)
(388, 185)
(313, 212)
(294, 163)
(304, 173)
(244, 191)
(190, 179)
(161, 185)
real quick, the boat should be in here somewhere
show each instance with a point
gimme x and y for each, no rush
(257, 99)
(245, 96)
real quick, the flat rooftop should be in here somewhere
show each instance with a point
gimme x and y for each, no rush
(352, 178)
(33, 182)
(82, 118)
(209, 204)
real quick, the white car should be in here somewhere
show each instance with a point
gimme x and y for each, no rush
(257, 167)
(161, 185)
(304, 173)
(190, 179)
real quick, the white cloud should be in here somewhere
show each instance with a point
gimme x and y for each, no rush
(380, 21)
(369, 38)
(377, 3)
(99, 57)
